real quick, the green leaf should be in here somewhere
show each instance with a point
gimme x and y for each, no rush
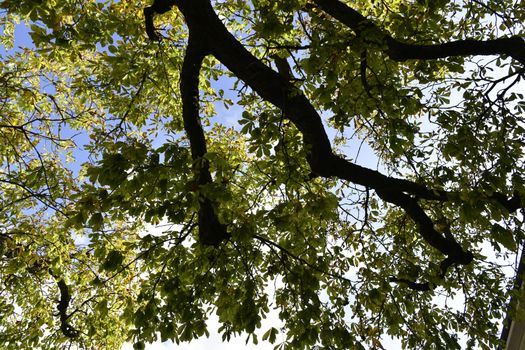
(270, 335)
(139, 345)
(96, 221)
(113, 261)
(503, 236)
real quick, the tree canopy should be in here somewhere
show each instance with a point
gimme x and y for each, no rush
(236, 127)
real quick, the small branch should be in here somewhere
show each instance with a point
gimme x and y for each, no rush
(298, 258)
(283, 67)
(511, 204)
(426, 286)
(158, 7)
(131, 105)
(62, 306)
(362, 72)
(420, 287)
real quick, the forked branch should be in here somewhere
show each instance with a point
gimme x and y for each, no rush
(211, 231)
(400, 51)
(276, 89)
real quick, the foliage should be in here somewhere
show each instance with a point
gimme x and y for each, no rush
(105, 133)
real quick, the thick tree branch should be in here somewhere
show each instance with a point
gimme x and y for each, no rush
(65, 296)
(399, 51)
(211, 231)
(446, 245)
(279, 91)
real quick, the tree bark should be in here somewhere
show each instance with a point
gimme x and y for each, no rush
(400, 51)
(211, 231)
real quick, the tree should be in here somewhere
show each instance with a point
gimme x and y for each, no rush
(109, 125)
